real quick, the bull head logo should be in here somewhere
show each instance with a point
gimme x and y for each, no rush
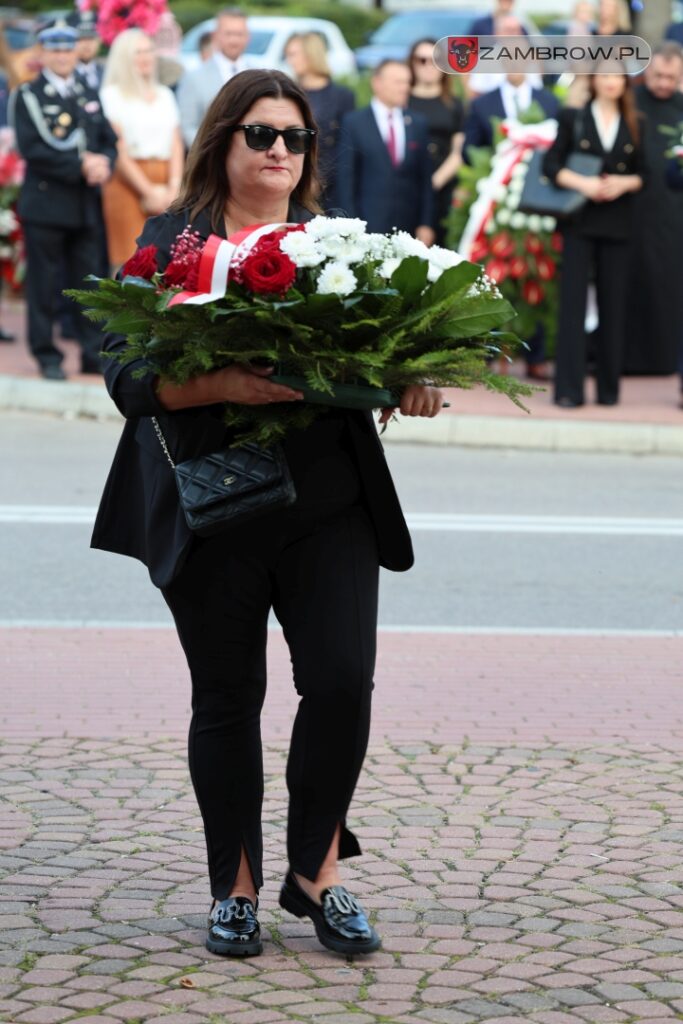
(463, 53)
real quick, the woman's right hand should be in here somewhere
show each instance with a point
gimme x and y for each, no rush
(592, 188)
(248, 385)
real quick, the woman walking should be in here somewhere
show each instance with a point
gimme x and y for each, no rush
(316, 563)
(597, 239)
(149, 166)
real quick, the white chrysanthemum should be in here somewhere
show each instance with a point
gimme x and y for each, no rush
(336, 279)
(8, 222)
(444, 258)
(302, 249)
(503, 215)
(332, 227)
(349, 250)
(548, 223)
(377, 246)
(515, 186)
(387, 268)
(405, 245)
(534, 223)
(519, 171)
(512, 200)
(518, 220)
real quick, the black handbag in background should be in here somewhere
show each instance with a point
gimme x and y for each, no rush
(227, 488)
(540, 195)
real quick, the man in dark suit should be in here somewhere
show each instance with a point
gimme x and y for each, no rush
(69, 148)
(514, 96)
(88, 66)
(384, 168)
(486, 26)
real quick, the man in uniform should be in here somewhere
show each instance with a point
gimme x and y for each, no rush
(69, 148)
(89, 66)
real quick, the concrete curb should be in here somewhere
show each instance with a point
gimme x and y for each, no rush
(468, 431)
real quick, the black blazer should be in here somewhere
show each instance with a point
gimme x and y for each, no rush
(478, 128)
(612, 220)
(139, 513)
(369, 186)
(49, 131)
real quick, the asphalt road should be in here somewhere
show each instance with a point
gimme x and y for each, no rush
(503, 539)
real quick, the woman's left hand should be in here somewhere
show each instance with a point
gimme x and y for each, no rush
(417, 400)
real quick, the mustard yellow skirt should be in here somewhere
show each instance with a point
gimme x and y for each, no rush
(124, 218)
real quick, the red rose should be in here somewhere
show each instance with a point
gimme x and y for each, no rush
(480, 250)
(269, 272)
(143, 263)
(545, 267)
(502, 245)
(518, 267)
(497, 270)
(532, 293)
(532, 243)
(178, 271)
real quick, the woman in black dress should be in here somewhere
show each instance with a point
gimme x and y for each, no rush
(316, 563)
(431, 96)
(306, 55)
(598, 238)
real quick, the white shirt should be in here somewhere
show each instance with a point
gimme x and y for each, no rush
(382, 114)
(228, 68)
(147, 128)
(516, 99)
(62, 85)
(606, 133)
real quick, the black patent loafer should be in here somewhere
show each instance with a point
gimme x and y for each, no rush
(233, 928)
(339, 920)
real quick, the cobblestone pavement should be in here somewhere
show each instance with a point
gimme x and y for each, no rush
(535, 878)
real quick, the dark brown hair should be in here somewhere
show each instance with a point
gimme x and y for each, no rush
(446, 94)
(205, 181)
(627, 106)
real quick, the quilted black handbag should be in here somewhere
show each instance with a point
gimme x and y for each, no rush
(225, 488)
(540, 195)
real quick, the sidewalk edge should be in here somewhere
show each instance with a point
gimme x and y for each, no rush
(468, 431)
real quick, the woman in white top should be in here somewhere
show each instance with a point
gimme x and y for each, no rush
(145, 117)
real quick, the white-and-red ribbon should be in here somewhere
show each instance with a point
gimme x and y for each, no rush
(518, 139)
(218, 256)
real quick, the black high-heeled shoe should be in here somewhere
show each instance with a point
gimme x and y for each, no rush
(339, 920)
(233, 928)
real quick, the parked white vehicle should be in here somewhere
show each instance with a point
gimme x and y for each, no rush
(267, 40)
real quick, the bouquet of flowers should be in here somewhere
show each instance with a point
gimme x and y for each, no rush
(331, 305)
(114, 16)
(12, 260)
(520, 252)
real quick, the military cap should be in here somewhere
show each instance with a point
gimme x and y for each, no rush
(85, 23)
(57, 35)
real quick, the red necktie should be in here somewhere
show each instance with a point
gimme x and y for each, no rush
(391, 140)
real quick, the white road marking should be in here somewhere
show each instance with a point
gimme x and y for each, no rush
(616, 526)
(276, 628)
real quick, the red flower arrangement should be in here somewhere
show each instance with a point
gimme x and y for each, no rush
(114, 16)
(266, 270)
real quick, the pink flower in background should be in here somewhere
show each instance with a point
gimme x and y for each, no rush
(115, 16)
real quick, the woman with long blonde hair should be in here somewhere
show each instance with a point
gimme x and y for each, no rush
(149, 167)
(306, 56)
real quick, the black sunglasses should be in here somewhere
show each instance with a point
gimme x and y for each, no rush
(263, 136)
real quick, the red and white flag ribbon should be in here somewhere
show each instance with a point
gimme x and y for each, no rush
(218, 256)
(518, 139)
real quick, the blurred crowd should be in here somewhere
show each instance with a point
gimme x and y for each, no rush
(105, 140)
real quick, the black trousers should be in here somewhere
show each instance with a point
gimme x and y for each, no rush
(610, 260)
(318, 568)
(54, 256)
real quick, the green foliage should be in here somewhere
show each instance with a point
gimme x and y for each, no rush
(389, 336)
